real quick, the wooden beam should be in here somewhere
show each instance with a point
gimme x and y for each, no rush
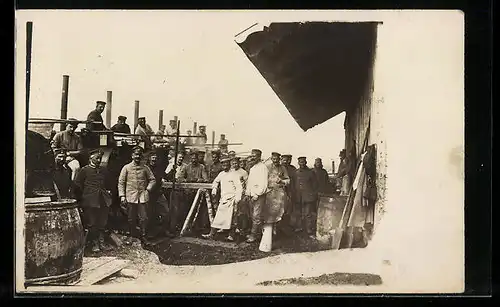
(109, 101)
(188, 185)
(29, 44)
(160, 119)
(136, 114)
(64, 101)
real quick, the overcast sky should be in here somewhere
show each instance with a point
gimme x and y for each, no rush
(186, 63)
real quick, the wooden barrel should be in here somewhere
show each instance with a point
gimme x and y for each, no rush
(54, 243)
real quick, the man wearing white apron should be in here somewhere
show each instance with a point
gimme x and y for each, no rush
(231, 191)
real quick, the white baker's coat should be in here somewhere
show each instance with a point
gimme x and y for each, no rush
(231, 192)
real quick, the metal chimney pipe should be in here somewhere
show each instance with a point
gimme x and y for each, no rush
(195, 126)
(213, 138)
(64, 101)
(136, 115)
(160, 119)
(109, 101)
(176, 121)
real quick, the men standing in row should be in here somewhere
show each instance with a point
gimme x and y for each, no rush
(306, 187)
(278, 179)
(95, 116)
(93, 187)
(71, 143)
(256, 192)
(121, 126)
(231, 191)
(135, 184)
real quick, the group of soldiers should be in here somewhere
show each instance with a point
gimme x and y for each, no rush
(249, 192)
(246, 192)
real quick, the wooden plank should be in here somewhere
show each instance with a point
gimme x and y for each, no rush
(36, 200)
(188, 185)
(210, 210)
(204, 242)
(195, 203)
(101, 271)
(90, 263)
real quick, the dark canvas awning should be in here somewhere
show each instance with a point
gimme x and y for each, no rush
(317, 69)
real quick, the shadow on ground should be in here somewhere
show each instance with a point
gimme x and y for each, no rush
(355, 279)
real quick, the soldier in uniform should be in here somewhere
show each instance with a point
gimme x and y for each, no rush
(290, 217)
(145, 132)
(61, 175)
(71, 143)
(216, 166)
(158, 205)
(95, 115)
(93, 190)
(121, 126)
(255, 193)
(278, 180)
(202, 138)
(135, 184)
(223, 144)
(200, 155)
(306, 188)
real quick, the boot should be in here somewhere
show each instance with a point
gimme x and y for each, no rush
(210, 235)
(231, 235)
(95, 246)
(251, 238)
(102, 243)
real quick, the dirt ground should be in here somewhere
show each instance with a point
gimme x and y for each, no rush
(176, 253)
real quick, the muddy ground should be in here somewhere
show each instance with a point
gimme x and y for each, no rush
(176, 253)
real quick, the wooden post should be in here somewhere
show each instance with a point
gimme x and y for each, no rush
(176, 150)
(136, 114)
(64, 101)
(29, 40)
(109, 101)
(195, 126)
(176, 121)
(160, 119)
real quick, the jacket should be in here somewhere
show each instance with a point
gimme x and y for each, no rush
(135, 183)
(92, 186)
(306, 186)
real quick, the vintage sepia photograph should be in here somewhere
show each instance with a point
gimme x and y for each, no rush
(239, 151)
